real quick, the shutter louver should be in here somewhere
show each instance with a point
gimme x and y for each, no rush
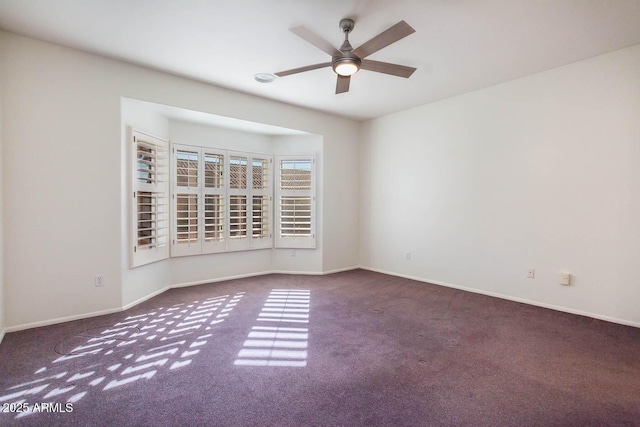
(237, 217)
(186, 218)
(213, 218)
(295, 216)
(213, 170)
(152, 220)
(261, 217)
(186, 169)
(146, 167)
(238, 173)
(295, 175)
(260, 174)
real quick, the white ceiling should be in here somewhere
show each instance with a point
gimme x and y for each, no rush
(459, 45)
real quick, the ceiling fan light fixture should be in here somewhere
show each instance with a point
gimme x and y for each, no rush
(346, 66)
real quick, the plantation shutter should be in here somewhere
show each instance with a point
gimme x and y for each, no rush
(295, 202)
(221, 200)
(261, 202)
(149, 235)
(187, 221)
(238, 200)
(214, 199)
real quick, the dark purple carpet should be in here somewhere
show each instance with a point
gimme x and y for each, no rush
(349, 349)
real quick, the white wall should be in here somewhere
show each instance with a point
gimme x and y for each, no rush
(341, 172)
(181, 132)
(538, 172)
(61, 182)
(64, 219)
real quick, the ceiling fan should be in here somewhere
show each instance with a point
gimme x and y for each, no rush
(347, 61)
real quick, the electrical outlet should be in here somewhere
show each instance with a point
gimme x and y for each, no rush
(99, 280)
(531, 272)
(408, 256)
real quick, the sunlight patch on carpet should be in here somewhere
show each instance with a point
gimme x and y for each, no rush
(285, 345)
(117, 355)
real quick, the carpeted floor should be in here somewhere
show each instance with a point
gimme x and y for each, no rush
(350, 349)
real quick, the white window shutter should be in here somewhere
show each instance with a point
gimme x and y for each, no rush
(261, 201)
(296, 201)
(215, 207)
(221, 200)
(186, 201)
(238, 199)
(149, 207)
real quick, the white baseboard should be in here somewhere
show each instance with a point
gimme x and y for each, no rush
(156, 293)
(1, 335)
(144, 298)
(341, 270)
(219, 279)
(187, 284)
(315, 273)
(508, 297)
(60, 320)
(302, 273)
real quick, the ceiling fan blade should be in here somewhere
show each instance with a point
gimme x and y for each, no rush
(343, 84)
(316, 40)
(303, 69)
(387, 68)
(384, 39)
